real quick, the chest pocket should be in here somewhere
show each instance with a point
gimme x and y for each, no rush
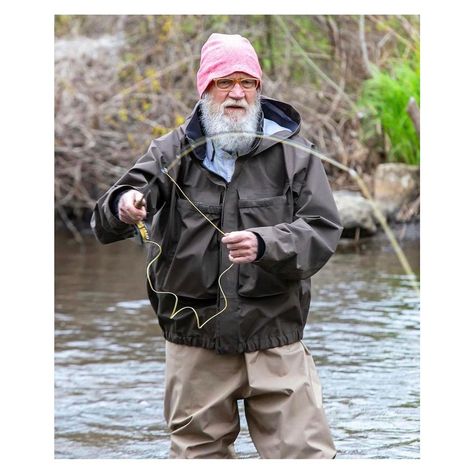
(254, 281)
(264, 211)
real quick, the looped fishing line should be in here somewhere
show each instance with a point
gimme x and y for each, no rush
(146, 239)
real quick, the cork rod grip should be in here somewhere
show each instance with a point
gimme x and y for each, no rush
(140, 202)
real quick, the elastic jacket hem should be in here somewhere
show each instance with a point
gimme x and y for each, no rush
(250, 345)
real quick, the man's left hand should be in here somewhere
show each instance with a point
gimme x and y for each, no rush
(242, 246)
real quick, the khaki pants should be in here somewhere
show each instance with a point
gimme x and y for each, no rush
(282, 398)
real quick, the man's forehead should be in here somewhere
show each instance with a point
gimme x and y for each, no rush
(237, 75)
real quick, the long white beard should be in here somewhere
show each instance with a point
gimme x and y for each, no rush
(218, 125)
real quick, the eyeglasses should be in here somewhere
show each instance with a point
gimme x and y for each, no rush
(246, 83)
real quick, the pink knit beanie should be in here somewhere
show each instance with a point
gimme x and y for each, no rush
(225, 54)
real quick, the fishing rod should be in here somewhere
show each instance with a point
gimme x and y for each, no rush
(145, 235)
(352, 173)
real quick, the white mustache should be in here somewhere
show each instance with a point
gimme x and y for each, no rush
(235, 103)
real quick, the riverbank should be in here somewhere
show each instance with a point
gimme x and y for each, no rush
(117, 87)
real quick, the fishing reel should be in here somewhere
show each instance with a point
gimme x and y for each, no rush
(140, 226)
(142, 231)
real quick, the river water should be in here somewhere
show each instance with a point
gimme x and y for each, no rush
(363, 331)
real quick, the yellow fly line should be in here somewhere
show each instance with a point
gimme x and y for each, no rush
(146, 238)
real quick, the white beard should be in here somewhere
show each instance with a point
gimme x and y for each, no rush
(226, 131)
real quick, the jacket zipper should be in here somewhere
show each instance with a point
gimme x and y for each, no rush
(219, 259)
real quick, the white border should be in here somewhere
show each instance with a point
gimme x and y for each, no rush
(27, 241)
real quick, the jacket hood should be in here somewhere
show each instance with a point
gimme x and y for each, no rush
(283, 114)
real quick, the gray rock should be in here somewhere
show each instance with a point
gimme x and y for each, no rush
(355, 211)
(395, 184)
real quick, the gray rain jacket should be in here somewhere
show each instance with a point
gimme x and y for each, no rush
(278, 191)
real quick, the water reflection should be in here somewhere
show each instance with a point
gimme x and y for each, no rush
(363, 331)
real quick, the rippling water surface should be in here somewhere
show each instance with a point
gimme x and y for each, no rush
(363, 331)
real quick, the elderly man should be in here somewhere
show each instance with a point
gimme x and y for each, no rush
(245, 216)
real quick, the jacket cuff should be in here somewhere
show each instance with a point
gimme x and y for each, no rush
(264, 235)
(115, 198)
(111, 212)
(261, 245)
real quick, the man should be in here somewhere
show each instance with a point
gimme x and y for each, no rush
(270, 224)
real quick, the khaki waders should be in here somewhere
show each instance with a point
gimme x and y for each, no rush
(282, 399)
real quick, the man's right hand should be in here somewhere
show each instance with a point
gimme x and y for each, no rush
(129, 210)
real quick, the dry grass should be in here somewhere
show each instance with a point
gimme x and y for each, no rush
(121, 81)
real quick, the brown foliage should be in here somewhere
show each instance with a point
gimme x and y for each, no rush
(122, 80)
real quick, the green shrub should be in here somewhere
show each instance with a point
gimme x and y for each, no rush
(385, 95)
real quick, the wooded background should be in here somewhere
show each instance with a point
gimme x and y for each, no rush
(122, 80)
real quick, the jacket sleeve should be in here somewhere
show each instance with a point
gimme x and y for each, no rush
(299, 249)
(104, 222)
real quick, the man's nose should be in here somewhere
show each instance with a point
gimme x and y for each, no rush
(237, 92)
